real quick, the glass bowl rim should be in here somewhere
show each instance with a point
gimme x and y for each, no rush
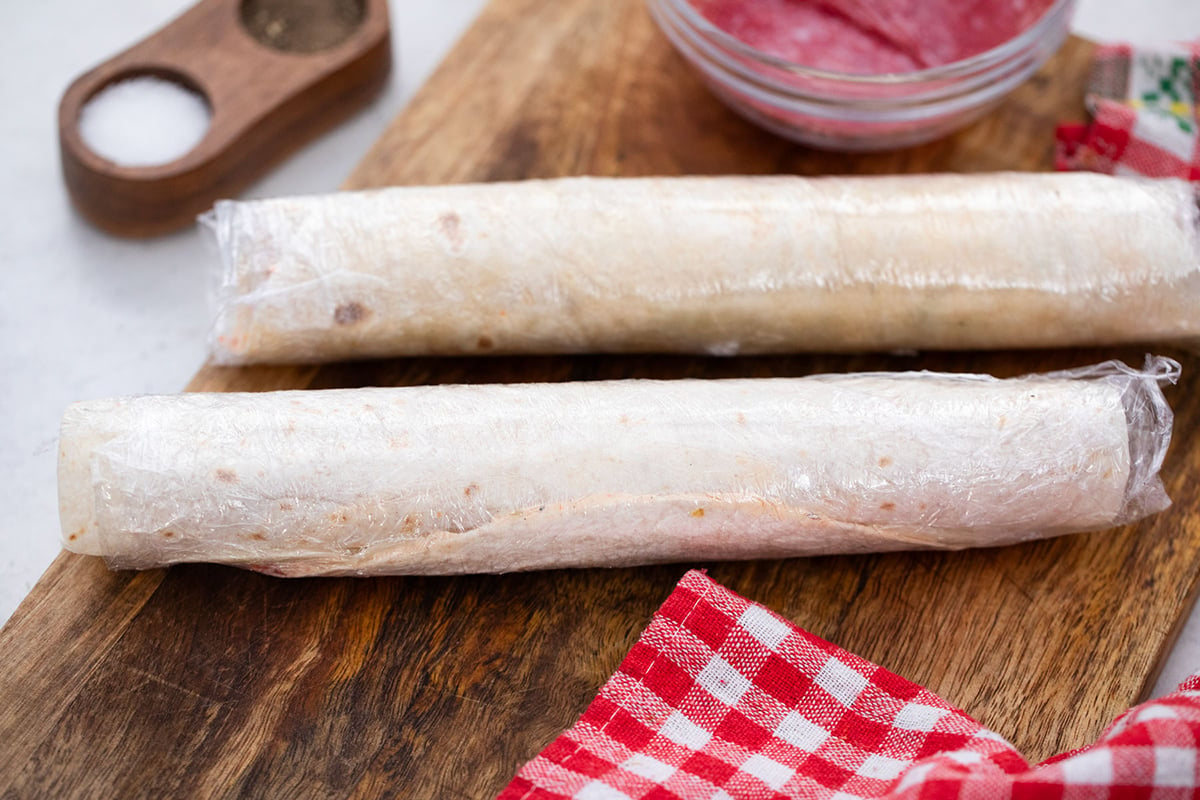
(992, 57)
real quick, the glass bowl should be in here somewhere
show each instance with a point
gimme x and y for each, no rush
(842, 111)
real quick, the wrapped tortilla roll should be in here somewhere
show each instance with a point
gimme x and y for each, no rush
(709, 265)
(456, 479)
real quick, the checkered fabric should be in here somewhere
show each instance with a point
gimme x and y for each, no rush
(724, 700)
(1144, 120)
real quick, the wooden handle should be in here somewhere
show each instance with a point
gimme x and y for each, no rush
(265, 103)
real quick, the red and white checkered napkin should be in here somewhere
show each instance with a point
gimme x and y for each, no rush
(721, 698)
(1144, 118)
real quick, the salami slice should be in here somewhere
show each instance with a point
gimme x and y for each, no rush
(872, 38)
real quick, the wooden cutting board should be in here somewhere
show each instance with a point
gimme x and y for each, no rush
(202, 680)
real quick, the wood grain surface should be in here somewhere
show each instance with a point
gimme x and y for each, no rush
(208, 681)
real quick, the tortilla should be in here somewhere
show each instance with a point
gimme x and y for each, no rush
(456, 479)
(720, 265)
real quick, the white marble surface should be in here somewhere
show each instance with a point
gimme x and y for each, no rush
(86, 315)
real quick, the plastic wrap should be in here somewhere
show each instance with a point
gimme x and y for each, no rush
(454, 479)
(709, 265)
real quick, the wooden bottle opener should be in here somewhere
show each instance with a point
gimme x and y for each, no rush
(274, 73)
